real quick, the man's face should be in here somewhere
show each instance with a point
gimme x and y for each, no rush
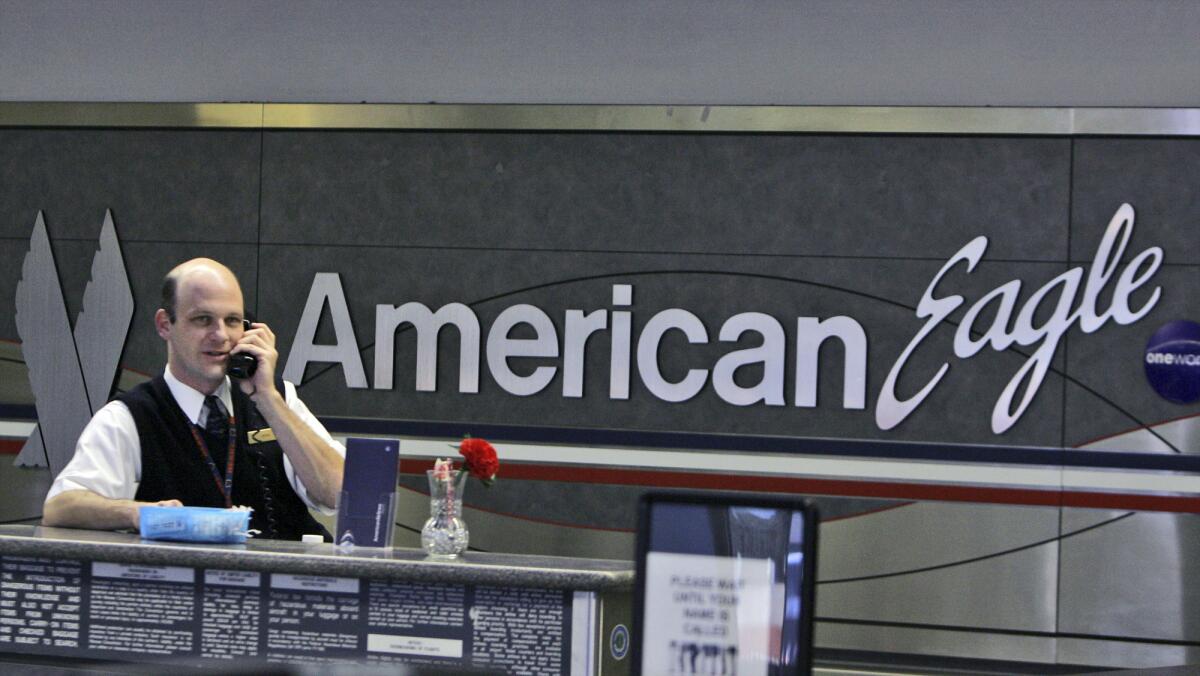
(208, 323)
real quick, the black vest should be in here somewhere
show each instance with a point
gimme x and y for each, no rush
(174, 469)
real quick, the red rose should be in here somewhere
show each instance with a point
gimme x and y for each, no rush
(481, 460)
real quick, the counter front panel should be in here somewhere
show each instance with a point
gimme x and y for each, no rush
(147, 612)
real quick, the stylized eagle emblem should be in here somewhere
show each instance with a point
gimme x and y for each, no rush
(71, 373)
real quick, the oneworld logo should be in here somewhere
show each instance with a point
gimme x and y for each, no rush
(1173, 358)
(1173, 361)
(999, 319)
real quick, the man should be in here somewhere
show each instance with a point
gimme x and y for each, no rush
(195, 437)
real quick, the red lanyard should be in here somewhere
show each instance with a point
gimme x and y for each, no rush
(226, 488)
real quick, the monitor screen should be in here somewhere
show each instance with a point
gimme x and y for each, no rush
(725, 585)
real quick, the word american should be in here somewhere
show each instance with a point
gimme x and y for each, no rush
(1074, 296)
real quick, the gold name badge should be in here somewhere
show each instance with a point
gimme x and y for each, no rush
(260, 436)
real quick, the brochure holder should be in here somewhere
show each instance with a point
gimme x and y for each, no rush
(367, 505)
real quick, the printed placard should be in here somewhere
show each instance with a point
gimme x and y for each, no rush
(707, 614)
(315, 583)
(122, 571)
(414, 645)
(233, 578)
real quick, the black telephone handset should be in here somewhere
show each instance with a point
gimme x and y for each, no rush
(243, 364)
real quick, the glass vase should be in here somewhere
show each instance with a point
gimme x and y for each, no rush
(445, 535)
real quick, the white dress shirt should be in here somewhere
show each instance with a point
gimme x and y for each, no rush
(108, 456)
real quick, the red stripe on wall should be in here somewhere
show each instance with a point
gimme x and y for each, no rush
(11, 446)
(838, 487)
(1132, 501)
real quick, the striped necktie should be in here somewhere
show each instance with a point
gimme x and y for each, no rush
(217, 424)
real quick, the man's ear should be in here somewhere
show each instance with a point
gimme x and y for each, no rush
(162, 323)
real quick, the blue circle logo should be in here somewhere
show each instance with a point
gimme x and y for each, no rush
(618, 642)
(1173, 361)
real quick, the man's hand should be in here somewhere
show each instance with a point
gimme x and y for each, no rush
(85, 509)
(259, 341)
(137, 510)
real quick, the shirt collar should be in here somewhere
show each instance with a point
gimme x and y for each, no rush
(191, 400)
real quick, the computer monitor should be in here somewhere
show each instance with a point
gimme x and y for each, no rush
(725, 585)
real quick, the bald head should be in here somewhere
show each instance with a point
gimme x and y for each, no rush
(201, 321)
(203, 271)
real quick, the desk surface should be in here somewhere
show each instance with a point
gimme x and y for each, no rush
(512, 570)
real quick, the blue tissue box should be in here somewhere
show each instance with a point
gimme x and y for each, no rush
(194, 524)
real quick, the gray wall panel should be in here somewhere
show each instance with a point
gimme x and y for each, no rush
(1019, 593)
(940, 534)
(600, 506)
(726, 194)
(14, 376)
(12, 253)
(174, 185)
(1150, 594)
(903, 640)
(22, 490)
(1158, 176)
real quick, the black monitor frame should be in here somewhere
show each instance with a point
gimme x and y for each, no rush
(807, 591)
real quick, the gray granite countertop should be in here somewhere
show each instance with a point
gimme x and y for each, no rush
(550, 572)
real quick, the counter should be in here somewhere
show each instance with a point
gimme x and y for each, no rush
(112, 596)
